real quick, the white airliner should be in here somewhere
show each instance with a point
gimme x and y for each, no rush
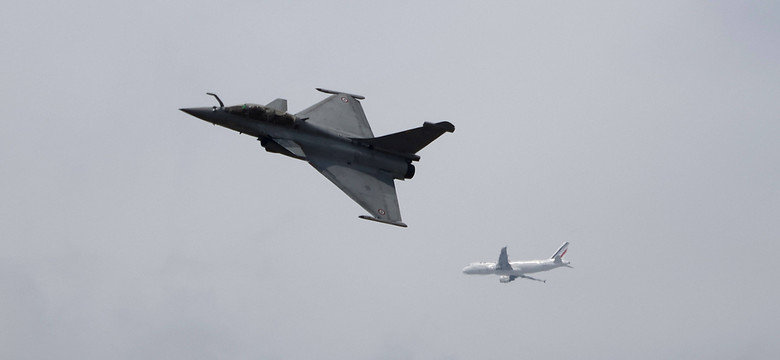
(509, 271)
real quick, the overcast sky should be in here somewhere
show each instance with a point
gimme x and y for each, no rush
(646, 134)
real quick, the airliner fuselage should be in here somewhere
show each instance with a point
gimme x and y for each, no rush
(518, 267)
(509, 271)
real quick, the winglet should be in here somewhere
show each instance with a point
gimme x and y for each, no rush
(334, 92)
(396, 223)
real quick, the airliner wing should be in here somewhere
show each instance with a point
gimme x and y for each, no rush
(340, 112)
(372, 189)
(503, 261)
(530, 278)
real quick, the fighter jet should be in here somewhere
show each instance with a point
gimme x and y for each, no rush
(335, 138)
(509, 271)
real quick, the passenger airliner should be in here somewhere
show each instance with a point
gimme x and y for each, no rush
(508, 271)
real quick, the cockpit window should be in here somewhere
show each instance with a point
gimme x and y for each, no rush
(262, 113)
(245, 109)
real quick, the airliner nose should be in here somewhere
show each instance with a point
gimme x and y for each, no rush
(467, 269)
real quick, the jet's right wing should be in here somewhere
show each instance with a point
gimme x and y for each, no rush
(372, 189)
(341, 112)
(503, 261)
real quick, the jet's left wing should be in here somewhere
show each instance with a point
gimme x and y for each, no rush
(372, 189)
(503, 261)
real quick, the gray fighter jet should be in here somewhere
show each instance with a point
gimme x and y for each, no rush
(335, 138)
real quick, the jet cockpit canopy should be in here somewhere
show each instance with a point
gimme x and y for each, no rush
(262, 113)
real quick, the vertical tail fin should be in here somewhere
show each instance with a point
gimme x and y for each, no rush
(413, 140)
(561, 251)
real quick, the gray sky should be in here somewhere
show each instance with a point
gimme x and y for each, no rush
(645, 134)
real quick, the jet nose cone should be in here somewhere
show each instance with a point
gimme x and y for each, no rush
(188, 110)
(203, 113)
(466, 269)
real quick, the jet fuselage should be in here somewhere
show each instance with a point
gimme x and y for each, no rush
(335, 138)
(271, 127)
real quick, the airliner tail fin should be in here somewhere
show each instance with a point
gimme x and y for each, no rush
(561, 251)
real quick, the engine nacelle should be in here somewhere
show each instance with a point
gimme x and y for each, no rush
(409, 171)
(357, 153)
(504, 279)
